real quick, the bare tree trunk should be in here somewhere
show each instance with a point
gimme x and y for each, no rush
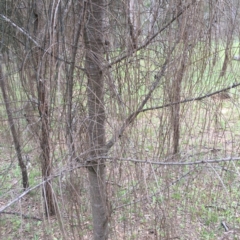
(43, 108)
(177, 82)
(176, 88)
(13, 131)
(79, 32)
(96, 129)
(45, 147)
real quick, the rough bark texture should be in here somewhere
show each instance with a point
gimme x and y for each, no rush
(94, 57)
(13, 131)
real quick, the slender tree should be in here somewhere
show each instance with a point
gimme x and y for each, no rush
(41, 77)
(16, 141)
(94, 40)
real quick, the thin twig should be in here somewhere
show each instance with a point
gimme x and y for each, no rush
(226, 228)
(192, 99)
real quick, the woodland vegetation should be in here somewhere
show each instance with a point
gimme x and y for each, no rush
(119, 119)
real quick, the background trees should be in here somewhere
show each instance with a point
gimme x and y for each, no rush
(141, 96)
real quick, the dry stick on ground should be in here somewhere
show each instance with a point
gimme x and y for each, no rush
(13, 129)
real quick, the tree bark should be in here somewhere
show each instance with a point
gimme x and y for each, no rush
(94, 30)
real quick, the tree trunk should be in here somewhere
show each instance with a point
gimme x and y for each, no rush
(175, 109)
(45, 148)
(96, 170)
(41, 69)
(177, 82)
(79, 33)
(13, 131)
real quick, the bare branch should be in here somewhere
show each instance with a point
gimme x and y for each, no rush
(23, 31)
(192, 99)
(162, 163)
